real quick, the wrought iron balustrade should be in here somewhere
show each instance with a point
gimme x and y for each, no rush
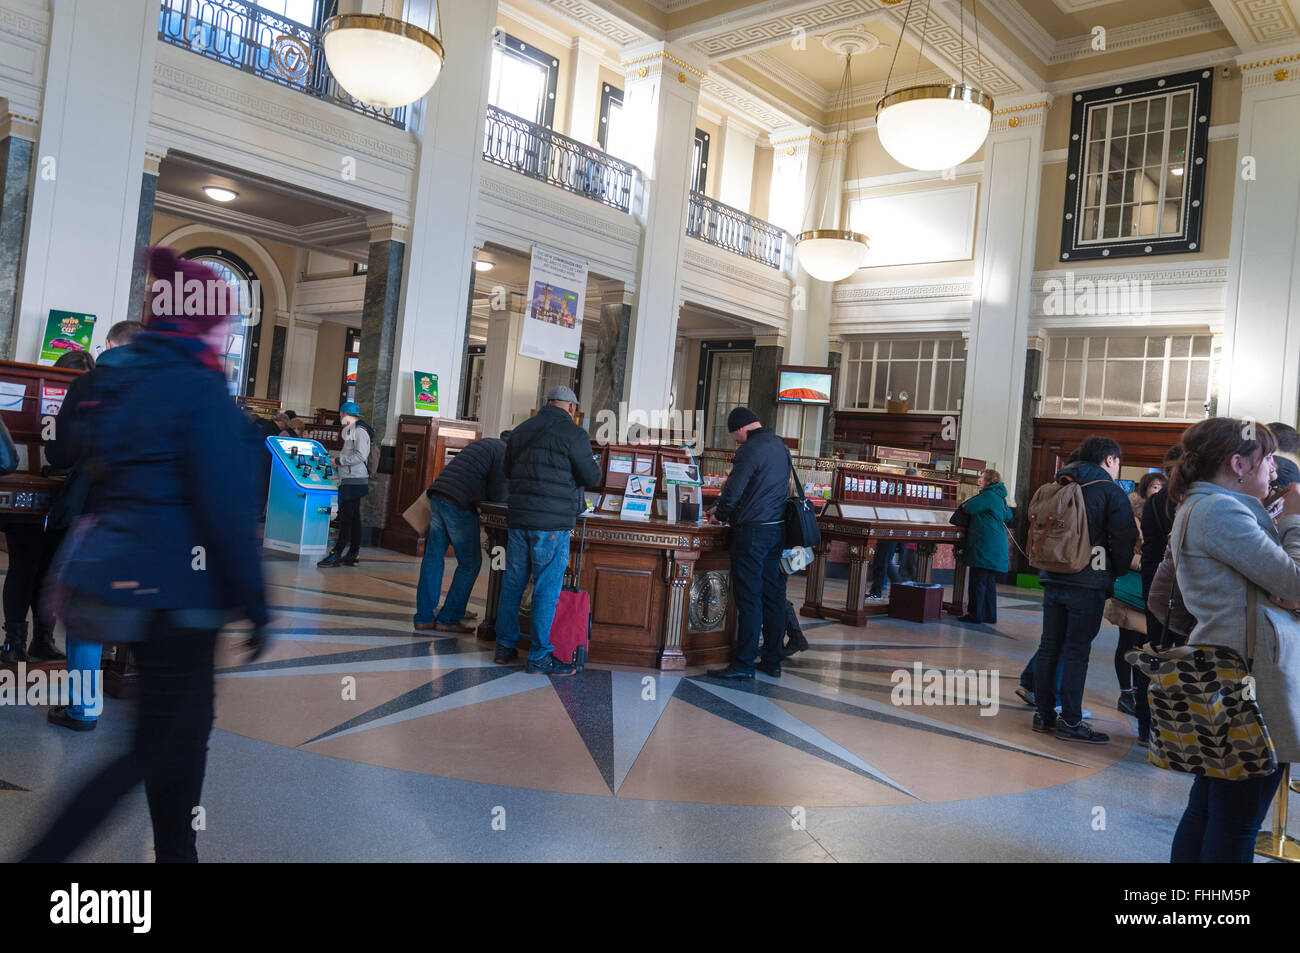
(515, 143)
(243, 35)
(711, 221)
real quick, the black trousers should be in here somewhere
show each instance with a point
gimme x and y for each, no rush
(348, 542)
(983, 605)
(31, 550)
(1128, 639)
(169, 753)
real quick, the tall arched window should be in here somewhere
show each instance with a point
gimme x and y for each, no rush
(240, 356)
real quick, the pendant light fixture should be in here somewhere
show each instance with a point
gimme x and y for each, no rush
(826, 251)
(383, 61)
(934, 126)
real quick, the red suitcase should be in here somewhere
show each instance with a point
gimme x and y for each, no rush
(571, 627)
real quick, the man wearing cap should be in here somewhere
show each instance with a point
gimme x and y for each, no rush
(548, 462)
(752, 501)
(354, 486)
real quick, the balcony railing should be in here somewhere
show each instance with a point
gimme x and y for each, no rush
(739, 232)
(515, 143)
(243, 35)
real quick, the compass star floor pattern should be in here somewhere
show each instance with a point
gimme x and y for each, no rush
(349, 680)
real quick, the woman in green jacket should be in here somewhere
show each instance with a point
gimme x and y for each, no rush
(986, 546)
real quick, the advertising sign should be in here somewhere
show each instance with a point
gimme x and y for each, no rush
(426, 393)
(557, 285)
(66, 331)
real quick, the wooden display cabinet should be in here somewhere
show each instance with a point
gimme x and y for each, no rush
(424, 446)
(32, 393)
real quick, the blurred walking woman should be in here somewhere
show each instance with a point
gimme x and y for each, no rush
(165, 556)
(1230, 543)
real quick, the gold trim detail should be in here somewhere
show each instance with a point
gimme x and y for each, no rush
(1013, 122)
(664, 54)
(839, 233)
(1273, 62)
(1016, 109)
(383, 24)
(643, 72)
(1280, 76)
(957, 91)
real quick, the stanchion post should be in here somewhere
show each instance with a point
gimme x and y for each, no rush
(1277, 844)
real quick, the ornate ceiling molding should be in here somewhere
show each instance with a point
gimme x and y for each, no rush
(812, 92)
(601, 22)
(1259, 22)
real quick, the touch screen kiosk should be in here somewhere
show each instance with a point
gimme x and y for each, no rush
(303, 490)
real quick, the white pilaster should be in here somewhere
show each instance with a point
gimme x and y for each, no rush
(1004, 257)
(736, 145)
(439, 257)
(87, 167)
(661, 92)
(584, 90)
(1261, 340)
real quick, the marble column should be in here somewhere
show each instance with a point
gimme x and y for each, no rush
(661, 93)
(1018, 483)
(379, 316)
(1260, 373)
(143, 229)
(85, 200)
(993, 400)
(766, 357)
(611, 356)
(449, 126)
(16, 138)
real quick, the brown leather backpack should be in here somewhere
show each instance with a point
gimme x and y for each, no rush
(1058, 527)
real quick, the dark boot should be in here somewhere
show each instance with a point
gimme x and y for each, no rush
(43, 648)
(15, 645)
(330, 561)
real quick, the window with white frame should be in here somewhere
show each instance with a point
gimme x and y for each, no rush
(930, 371)
(1163, 376)
(1136, 168)
(301, 11)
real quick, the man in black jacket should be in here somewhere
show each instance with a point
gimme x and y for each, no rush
(752, 501)
(548, 462)
(1073, 602)
(476, 473)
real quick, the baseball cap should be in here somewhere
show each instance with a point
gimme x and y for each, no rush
(562, 393)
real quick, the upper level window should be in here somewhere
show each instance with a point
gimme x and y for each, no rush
(931, 372)
(612, 130)
(305, 12)
(1136, 166)
(700, 163)
(1160, 376)
(523, 79)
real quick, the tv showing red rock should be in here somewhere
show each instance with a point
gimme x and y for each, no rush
(800, 387)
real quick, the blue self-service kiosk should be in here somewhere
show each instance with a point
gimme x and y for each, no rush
(302, 494)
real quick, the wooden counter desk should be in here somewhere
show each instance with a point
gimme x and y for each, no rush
(660, 591)
(868, 507)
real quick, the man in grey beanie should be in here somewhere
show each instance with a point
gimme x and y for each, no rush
(752, 501)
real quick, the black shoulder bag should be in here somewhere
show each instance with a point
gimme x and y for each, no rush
(801, 527)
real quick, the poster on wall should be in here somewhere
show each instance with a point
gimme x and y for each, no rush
(66, 331)
(557, 285)
(425, 390)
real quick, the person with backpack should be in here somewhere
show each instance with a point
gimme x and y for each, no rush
(548, 463)
(986, 546)
(357, 464)
(1224, 544)
(1081, 538)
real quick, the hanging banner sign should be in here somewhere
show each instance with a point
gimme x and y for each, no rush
(557, 285)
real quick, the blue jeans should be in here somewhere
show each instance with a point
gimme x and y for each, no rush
(86, 658)
(1222, 819)
(1027, 676)
(758, 587)
(1071, 620)
(544, 555)
(882, 564)
(983, 595)
(448, 525)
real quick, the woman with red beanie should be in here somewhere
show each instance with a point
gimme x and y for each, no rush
(166, 553)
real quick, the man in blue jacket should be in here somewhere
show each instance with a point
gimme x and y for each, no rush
(1073, 602)
(752, 501)
(548, 462)
(475, 474)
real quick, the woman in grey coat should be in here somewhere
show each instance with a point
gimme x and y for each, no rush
(1229, 543)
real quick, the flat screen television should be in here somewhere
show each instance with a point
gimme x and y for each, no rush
(805, 385)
